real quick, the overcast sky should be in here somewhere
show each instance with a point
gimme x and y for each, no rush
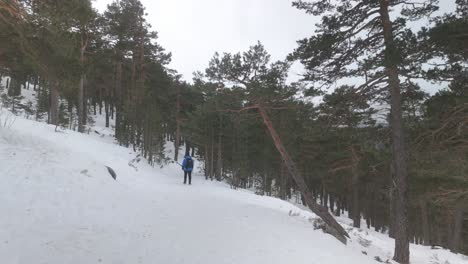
(193, 30)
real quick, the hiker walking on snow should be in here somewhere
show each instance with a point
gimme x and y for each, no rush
(187, 166)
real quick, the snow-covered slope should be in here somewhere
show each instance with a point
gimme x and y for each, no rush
(60, 205)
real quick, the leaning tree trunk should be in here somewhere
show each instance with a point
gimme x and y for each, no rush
(333, 227)
(402, 253)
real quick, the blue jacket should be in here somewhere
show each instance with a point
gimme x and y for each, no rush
(184, 163)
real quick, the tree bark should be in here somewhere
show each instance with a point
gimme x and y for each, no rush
(106, 109)
(334, 228)
(81, 118)
(70, 116)
(207, 162)
(40, 87)
(356, 209)
(325, 198)
(11, 87)
(219, 163)
(338, 207)
(283, 192)
(81, 105)
(54, 103)
(425, 222)
(119, 101)
(187, 147)
(15, 86)
(212, 155)
(458, 218)
(35, 82)
(398, 146)
(177, 136)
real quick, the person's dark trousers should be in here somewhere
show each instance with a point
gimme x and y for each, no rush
(189, 173)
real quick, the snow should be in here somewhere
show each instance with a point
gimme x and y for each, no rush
(60, 205)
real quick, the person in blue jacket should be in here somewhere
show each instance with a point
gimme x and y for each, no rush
(187, 166)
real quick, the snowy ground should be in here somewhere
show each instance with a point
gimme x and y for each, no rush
(60, 205)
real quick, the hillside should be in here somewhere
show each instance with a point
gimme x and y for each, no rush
(60, 205)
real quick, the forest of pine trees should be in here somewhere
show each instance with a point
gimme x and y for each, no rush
(383, 150)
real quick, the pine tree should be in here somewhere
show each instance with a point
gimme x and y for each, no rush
(358, 38)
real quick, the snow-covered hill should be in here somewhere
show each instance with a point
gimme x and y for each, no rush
(60, 205)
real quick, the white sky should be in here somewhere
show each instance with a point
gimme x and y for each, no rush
(193, 30)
